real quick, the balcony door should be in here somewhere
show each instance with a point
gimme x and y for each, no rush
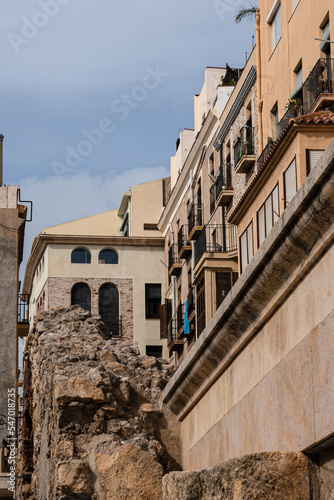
(109, 307)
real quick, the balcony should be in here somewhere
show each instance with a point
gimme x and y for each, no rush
(292, 112)
(173, 342)
(23, 315)
(195, 221)
(183, 243)
(180, 319)
(244, 154)
(265, 153)
(318, 88)
(174, 263)
(224, 189)
(217, 238)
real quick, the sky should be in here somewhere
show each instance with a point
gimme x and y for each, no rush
(94, 94)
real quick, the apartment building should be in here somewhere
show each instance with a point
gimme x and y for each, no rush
(13, 319)
(200, 245)
(259, 377)
(110, 264)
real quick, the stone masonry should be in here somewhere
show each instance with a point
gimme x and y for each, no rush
(92, 424)
(57, 293)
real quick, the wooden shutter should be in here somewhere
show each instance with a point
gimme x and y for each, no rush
(312, 158)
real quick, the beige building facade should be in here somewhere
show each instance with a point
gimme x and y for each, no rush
(259, 377)
(108, 263)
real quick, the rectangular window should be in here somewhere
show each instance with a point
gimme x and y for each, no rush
(312, 158)
(152, 300)
(154, 350)
(290, 183)
(268, 215)
(294, 4)
(200, 303)
(274, 19)
(246, 247)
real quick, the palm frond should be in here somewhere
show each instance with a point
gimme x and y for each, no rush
(245, 13)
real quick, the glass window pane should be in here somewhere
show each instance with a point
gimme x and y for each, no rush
(269, 215)
(275, 204)
(278, 26)
(290, 180)
(80, 256)
(250, 241)
(243, 251)
(108, 256)
(261, 225)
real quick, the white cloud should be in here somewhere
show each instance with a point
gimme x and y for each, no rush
(56, 200)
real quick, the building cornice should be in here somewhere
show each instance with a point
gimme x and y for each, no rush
(41, 241)
(293, 247)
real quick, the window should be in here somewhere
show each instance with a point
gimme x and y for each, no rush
(200, 305)
(152, 300)
(81, 296)
(312, 158)
(109, 307)
(80, 256)
(290, 183)
(224, 282)
(246, 247)
(268, 215)
(151, 227)
(325, 46)
(299, 83)
(154, 350)
(274, 19)
(108, 256)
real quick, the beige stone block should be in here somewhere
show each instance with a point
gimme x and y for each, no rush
(74, 477)
(78, 390)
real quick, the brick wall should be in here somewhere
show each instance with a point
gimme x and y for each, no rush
(58, 294)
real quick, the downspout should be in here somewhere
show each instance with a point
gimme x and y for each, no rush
(259, 82)
(1, 159)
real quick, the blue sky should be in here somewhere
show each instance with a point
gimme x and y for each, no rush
(69, 66)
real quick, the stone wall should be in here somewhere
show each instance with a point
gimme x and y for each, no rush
(58, 294)
(92, 424)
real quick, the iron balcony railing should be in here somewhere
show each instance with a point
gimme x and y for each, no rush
(173, 256)
(182, 237)
(212, 198)
(292, 112)
(244, 144)
(23, 308)
(172, 330)
(215, 238)
(319, 81)
(265, 153)
(114, 326)
(195, 216)
(224, 178)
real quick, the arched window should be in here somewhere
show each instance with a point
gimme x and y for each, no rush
(108, 256)
(81, 296)
(80, 256)
(109, 307)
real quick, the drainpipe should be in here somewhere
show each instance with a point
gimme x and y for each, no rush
(259, 89)
(1, 159)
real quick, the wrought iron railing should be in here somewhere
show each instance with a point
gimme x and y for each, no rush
(215, 238)
(172, 330)
(23, 308)
(263, 156)
(195, 216)
(224, 178)
(173, 256)
(182, 237)
(319, 81)
(292, 112)
(244, 144)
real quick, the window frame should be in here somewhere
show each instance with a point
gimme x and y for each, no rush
(273, 220)
(246, 235)
(152, 301)
(272, 18)
(286, 201)
(86, 250)
(108, 263)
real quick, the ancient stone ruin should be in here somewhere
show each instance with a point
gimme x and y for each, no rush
(92, 426)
